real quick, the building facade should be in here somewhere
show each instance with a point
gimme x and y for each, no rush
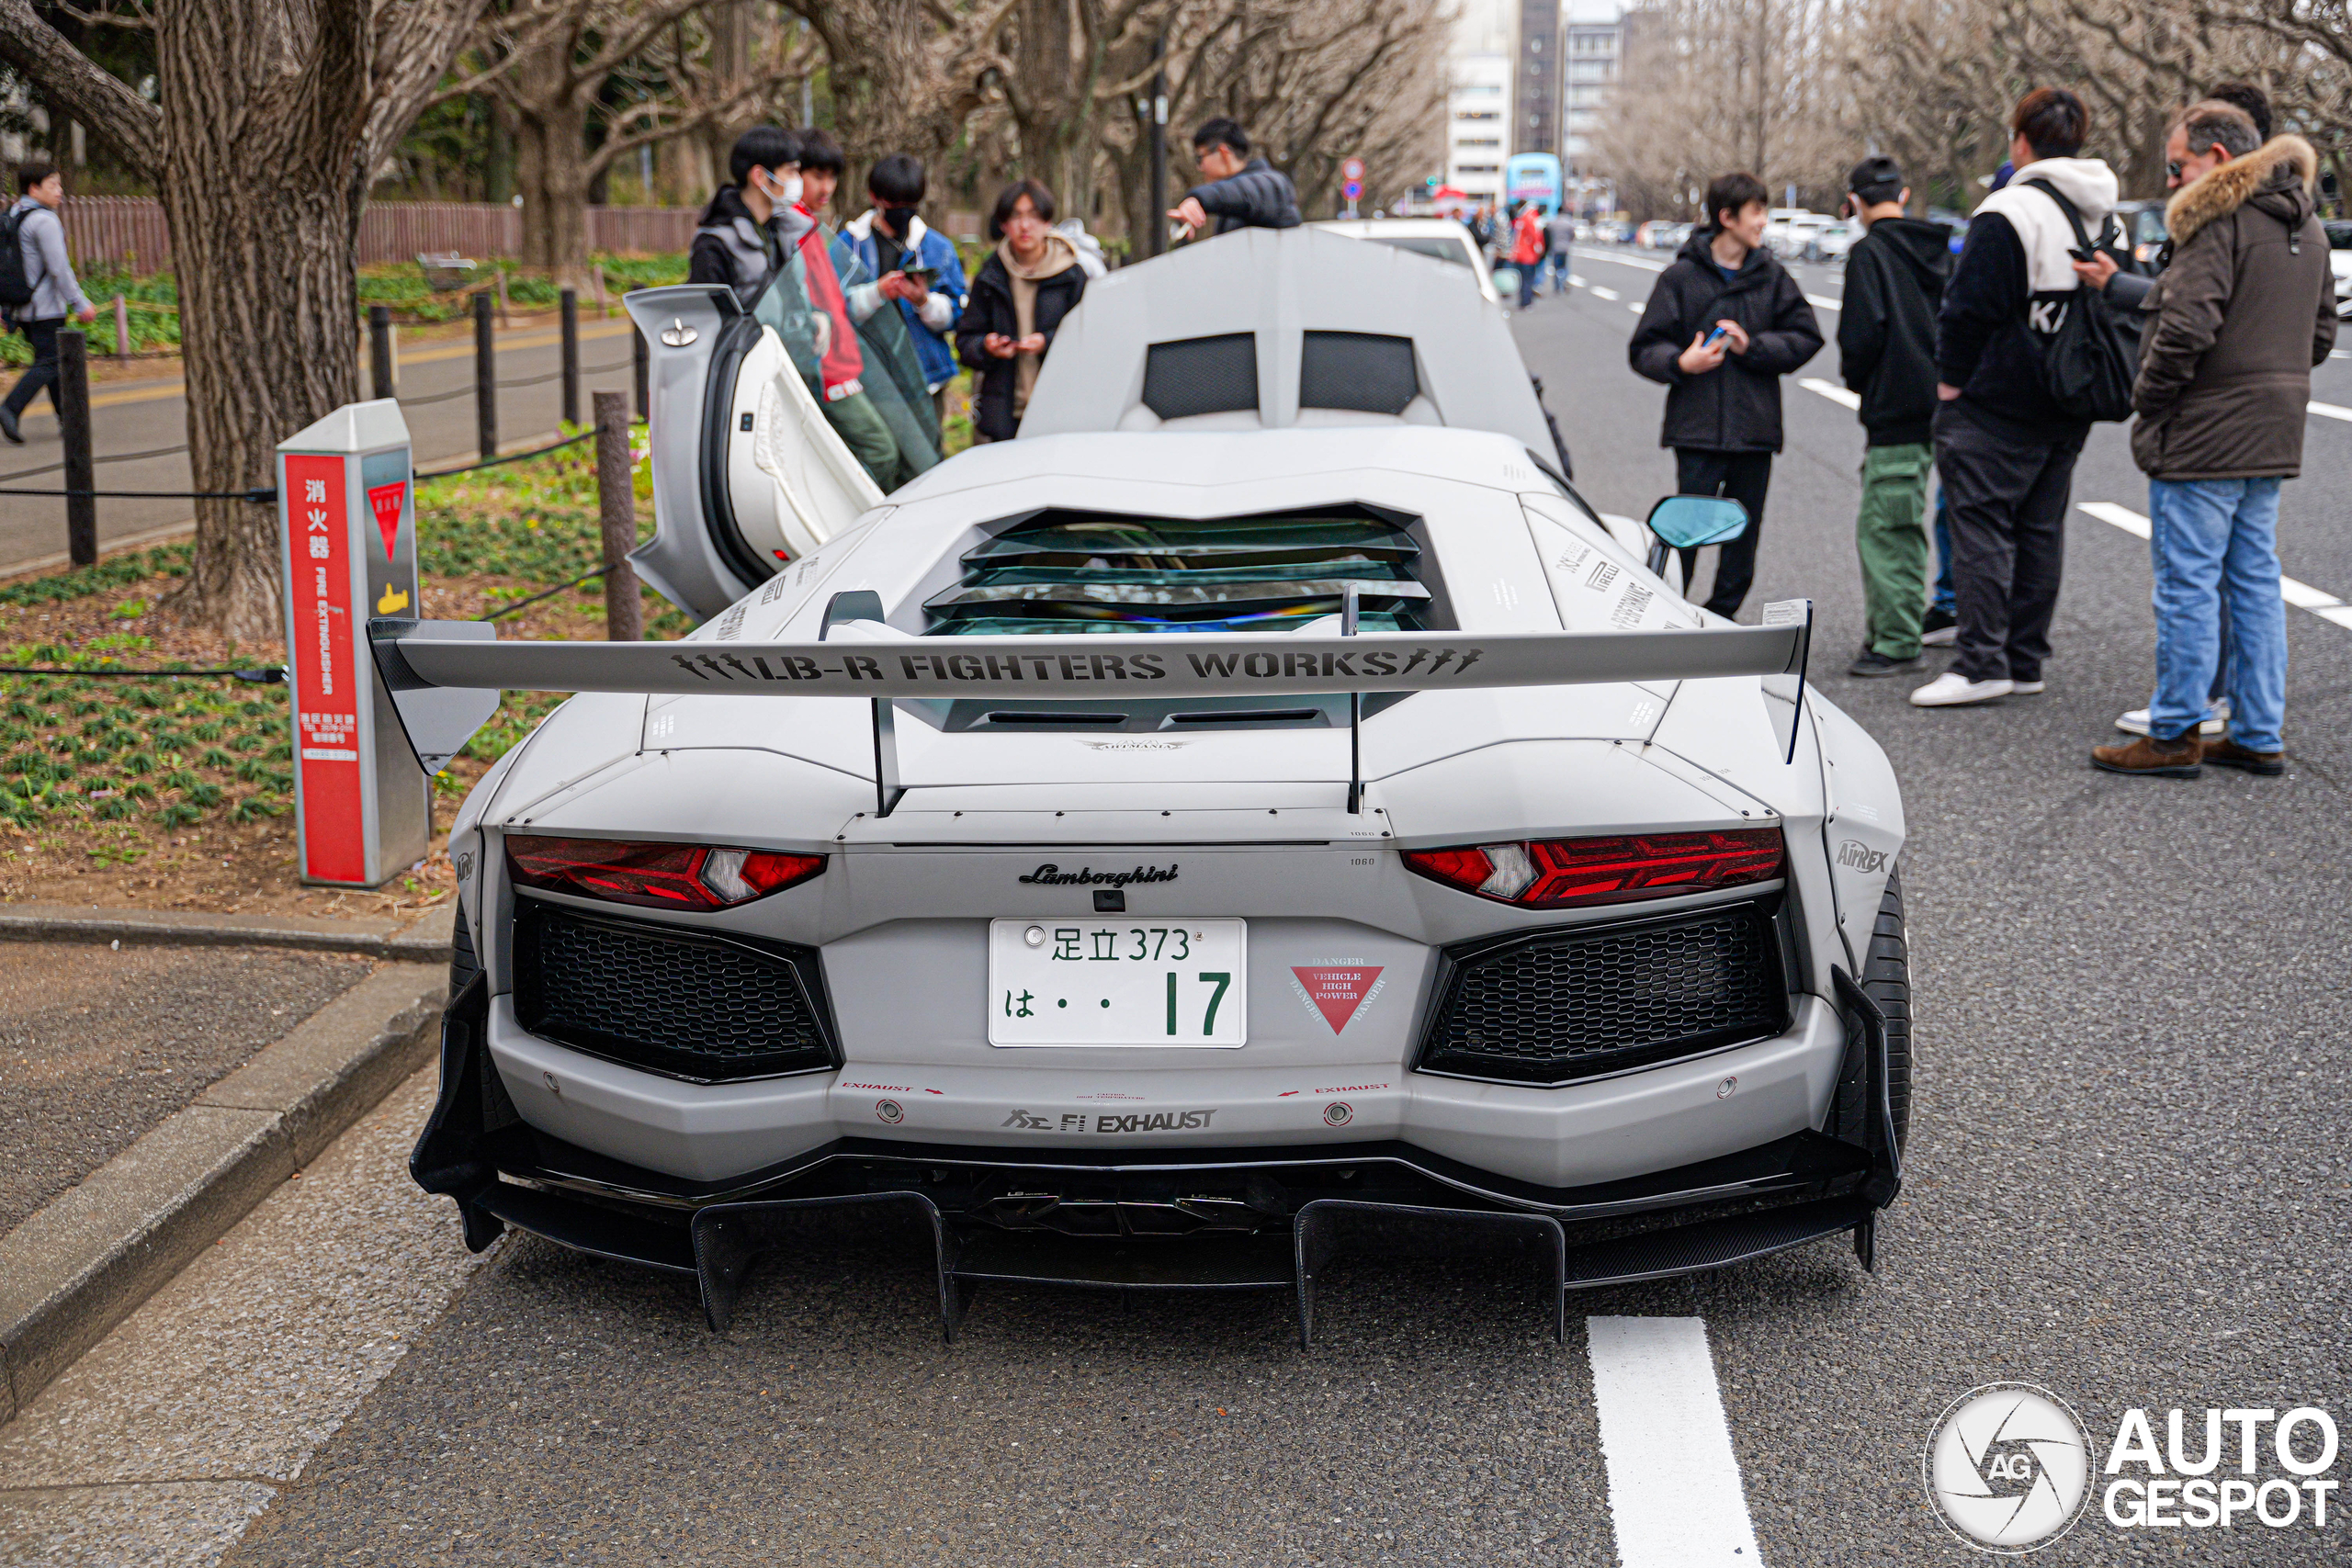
(1536, 120)
(1591, 61)
(1478, 98)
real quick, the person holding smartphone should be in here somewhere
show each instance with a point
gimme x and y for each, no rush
(891, 238)
(1724, 322)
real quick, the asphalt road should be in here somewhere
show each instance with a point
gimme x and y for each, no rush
(435, 381)
(2126, 1183)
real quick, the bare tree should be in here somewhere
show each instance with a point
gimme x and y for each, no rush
(268, 118)
(906, 75)
(630, 72)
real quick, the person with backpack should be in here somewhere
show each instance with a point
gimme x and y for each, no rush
(38, 288)
(2021, 347)
(1724, 322)
(2236, 323)
(1886, 346)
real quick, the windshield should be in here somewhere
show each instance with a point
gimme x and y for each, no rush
(1444, 250)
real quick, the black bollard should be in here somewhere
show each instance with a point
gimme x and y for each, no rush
(73, 430)
(569, 302)
(379, 349)
(485, 378)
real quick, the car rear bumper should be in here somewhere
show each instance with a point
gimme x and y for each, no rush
(1116, 1215)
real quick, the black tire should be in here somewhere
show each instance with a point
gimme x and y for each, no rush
(463, 965)
(1886, 980)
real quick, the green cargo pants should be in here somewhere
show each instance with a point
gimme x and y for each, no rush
(864, 430)
(1892, 543)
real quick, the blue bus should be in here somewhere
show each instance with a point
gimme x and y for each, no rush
(1532, 177)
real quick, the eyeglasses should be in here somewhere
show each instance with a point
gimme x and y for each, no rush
(2172, 170)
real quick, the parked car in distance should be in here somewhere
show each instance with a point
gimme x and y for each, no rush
(1832, 241)
(1440, 238)
(2143, 231)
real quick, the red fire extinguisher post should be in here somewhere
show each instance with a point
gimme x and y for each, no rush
(363, 808)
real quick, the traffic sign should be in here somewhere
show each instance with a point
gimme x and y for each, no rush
(1352, 189)
(1351, 171)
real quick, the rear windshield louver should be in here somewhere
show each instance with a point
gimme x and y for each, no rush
(1063, 573)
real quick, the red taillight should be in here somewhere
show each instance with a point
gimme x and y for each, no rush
(654, 876)
(1554, 874)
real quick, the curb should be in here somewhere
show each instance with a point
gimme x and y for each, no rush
(83, 1263)
(425, 940)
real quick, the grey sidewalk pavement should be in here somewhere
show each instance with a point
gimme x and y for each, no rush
(80, 1264)
(153, 417)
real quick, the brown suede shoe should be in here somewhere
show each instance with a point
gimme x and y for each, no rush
(2175, 758)
(2225, 753)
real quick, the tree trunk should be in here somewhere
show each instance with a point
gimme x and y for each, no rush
(552, 171)
(264, 209)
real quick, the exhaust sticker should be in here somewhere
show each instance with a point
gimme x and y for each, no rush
(1338, 992)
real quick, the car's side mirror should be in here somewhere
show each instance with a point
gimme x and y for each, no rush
(1686, 522)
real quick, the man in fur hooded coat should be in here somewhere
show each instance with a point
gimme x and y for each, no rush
(2235, 325)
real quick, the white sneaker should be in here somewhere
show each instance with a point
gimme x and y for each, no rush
(1951, 689)
(2217, 720)
(2026, 688)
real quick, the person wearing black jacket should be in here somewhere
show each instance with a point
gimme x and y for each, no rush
(1886, 344)
(1028, 284)
(1242, 192)
(1724, 322)
(2005, 448)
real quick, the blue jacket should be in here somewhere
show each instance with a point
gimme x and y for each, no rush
(934, 249)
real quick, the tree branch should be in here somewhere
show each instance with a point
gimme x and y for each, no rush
(69, 80)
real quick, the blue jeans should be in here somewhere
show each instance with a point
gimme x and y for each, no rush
(1942, 596)
(1557, 264)
(2214, 545)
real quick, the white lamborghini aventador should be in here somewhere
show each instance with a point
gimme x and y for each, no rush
(1259, 812)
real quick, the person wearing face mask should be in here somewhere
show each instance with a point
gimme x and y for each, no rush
(737, 242)
(758, 237)
(1024, 290)
(890, 239)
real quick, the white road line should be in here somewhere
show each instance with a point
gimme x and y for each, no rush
(2331, 411)
(2302, 596)
(1636, 306)
(2122, 517)
(1621, 261)
(1600, 293)
(1831, 390)
(1674, 1490)
(1576, 280)
(1823, 302)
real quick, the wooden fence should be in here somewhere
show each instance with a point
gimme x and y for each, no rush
(130, 230)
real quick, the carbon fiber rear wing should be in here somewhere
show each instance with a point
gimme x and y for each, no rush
(445, 677)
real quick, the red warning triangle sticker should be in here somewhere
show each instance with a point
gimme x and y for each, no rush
(1336, 993)
(385, 502)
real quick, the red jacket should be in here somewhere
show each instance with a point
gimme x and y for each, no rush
(842, 363)
(1527, 238)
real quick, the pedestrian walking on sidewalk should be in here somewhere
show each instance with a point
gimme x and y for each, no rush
(1723, 324)
(2004, 447)
(47, 295)
(1886, 343)
(2245, 309)
(1242, 191)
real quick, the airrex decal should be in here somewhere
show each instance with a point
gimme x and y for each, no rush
(1856, 856)
(1338, 992)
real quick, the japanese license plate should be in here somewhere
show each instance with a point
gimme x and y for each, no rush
(1117, 982)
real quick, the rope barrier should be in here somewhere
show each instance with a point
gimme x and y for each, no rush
(271, 677)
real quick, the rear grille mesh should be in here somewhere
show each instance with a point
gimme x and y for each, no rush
(686, 1003)
(1554, 1006)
